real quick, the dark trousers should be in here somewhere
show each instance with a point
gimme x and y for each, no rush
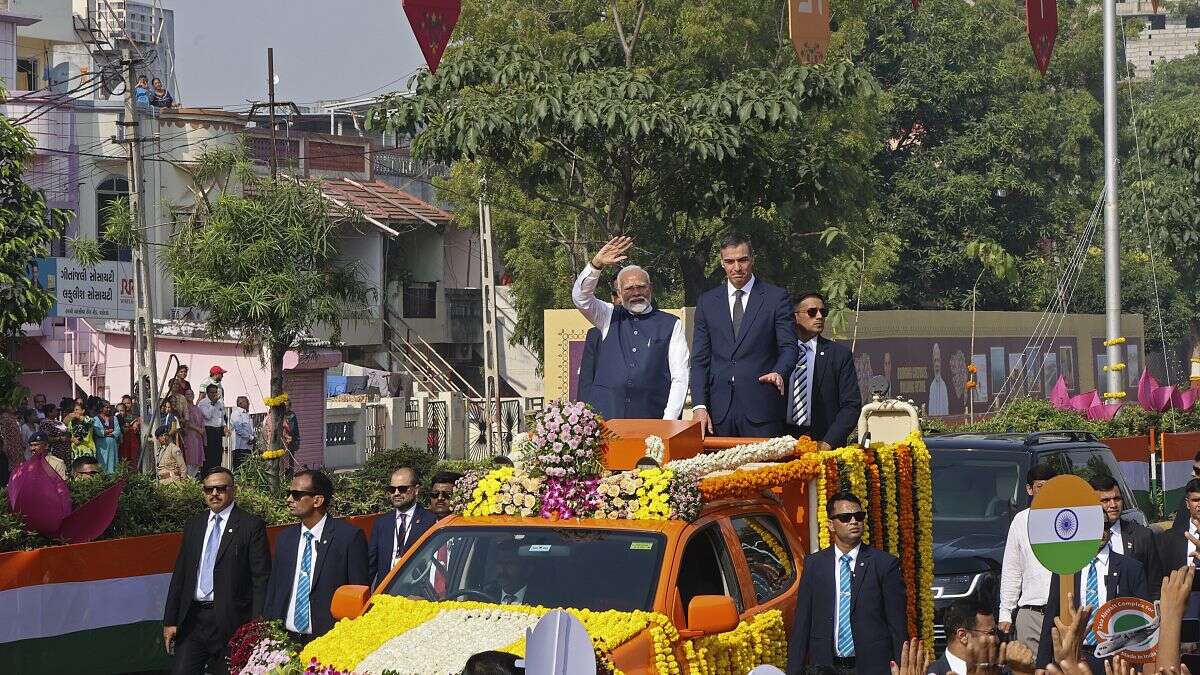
(213, 438)
(736, 424)
(201, 643)
(239, 456)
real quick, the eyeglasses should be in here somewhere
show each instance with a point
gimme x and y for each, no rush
(812, 312)
(215, 489)
(442, 494)
(401, 489)
(993, 632)
(297, 495)
(859, 516)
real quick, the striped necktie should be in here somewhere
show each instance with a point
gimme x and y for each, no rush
(1092, 600)
(209, 562)
(303, 585)
(845, 634)
(799, 402)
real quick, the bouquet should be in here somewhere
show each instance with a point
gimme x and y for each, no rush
(566, 442)
(259, 647)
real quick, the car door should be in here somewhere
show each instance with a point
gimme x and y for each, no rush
(767, 561)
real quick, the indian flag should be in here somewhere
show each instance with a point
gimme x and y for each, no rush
(1066, 525)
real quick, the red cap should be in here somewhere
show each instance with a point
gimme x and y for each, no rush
(216, 370)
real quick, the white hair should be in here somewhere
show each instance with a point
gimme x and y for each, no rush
(631, 268)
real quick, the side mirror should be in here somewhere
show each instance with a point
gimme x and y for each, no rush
(349, 602)
(710, 614)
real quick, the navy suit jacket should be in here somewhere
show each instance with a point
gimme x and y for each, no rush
(940, 667)
(836, 401)
(341, 560)
(587, 365)
(383, 535)
(1125, 579)
(725, 370)
(877, 615)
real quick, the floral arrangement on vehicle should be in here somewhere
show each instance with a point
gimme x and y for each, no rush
(260, 647)
(405, 636)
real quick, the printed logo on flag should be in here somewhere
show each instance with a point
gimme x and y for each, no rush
(1129, 627)
(1066, 524)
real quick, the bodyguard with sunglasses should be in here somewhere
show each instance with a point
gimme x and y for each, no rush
(312, 559)
(220, 579)
(394, 532)
(850, 609)
(822, 395)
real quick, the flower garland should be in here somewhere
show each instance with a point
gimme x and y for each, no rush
(655, 448)
(923, 480)
(747, 482)
(908, 562)
(822, 519)
(891, 518)
(731, 458)
(760, 640)
(377, 640)
(274, 401)
(875, 505)
(273, 454)
(771, 541)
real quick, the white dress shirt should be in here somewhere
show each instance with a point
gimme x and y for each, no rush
(1191, 547)
(1115, 543)
(1023, 580)
(599, 312)
(1101, 574)
(398, 546)
(214, 413)
(516, 598)
(243, 429)
(224, 514)
(957, 665)
(732, 293)
(316, 530)
(837, 583)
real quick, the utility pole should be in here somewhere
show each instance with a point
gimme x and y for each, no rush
(1112, 229)
(145, 360)
(271, 109)
(491, 351)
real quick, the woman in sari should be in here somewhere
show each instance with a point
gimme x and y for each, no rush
(82, 428)
(131, 431)
(191, 422)
(107, 437)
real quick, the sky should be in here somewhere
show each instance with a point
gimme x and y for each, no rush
(323, 50)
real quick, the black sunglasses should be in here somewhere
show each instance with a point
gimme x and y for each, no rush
(399, 488)
(215, 489)
(812, 312)
(297, 495)
(442, 494)
(860, 516)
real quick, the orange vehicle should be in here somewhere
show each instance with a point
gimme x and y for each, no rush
(738, 559)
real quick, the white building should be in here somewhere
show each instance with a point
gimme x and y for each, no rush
(1163, 37)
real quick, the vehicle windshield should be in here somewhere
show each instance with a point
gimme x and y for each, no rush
(552, 567)
(974, 488)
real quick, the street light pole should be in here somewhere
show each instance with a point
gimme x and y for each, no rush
(1112, 230)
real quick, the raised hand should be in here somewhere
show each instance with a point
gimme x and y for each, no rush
(1067, 635)
(914, 660)
(1018, 657)
(613, 252)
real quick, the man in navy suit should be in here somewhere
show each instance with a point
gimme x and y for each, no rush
(822, 399)
(850, 609)
(312, 559)
(395, 531)
(743, 350)
(1109, 575)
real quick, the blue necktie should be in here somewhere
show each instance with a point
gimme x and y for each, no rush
(1092, 599)
(303, 584)
(845, 641)
(799, 397)
(205, 583)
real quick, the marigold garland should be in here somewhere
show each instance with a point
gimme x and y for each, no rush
(887, 466)
(822, 519)
(771, 541)
(908, 562)
(273, 454)
(746, 482)
(875, 505)
(273, 401)
(923, 479)
(760, 640)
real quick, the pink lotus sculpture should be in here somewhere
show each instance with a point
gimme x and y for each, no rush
(1087, 404)
(1153, 396)
(40, 495)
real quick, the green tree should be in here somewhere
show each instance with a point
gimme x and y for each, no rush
(264, 266)
(673, 122)
(27, 228)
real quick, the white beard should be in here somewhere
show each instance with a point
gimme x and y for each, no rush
(638, 307)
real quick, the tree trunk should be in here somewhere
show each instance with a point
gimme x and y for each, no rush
(692, 265)
(275, 442)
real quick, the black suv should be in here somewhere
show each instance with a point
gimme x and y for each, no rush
(978, 485)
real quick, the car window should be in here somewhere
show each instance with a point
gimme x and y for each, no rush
(706, 568)
(975, 489)
(772, 567)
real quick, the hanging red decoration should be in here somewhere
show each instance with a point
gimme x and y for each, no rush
(432, 23)
(808, 26)
(1041, 21)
